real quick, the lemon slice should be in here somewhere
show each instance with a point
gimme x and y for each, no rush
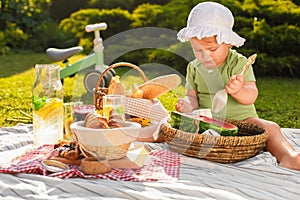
(51, 109)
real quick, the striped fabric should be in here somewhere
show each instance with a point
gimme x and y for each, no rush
(256, 178)
(15, 137)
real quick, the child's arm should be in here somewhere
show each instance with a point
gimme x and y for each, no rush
(244, 92)
(188, 103)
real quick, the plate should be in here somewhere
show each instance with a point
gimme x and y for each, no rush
(54, 166)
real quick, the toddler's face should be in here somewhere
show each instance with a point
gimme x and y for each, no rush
(209, 52)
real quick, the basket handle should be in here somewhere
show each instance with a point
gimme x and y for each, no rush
(118, 65)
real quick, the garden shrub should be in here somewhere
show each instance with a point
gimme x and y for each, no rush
(48, 34)
(147, 15)
(4, 49)
(117, 20)
(86, 45)
(129, 5)
(14, 36)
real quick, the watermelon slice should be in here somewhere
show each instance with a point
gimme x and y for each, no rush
(224, 128)
(200, 124)
(184, 122)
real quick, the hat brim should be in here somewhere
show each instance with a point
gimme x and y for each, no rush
(223, 35)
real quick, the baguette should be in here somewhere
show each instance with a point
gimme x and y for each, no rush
(170, 81)
(156, 87)
(152, 90)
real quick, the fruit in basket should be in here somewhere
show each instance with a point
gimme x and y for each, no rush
(184, 122)
(200, 124)
(222, 127)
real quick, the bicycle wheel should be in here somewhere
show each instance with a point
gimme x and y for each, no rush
(91, 79)
(111, 73)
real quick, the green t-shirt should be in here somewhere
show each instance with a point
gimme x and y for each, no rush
(208, 82)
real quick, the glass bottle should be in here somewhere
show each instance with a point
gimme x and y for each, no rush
(47, 102)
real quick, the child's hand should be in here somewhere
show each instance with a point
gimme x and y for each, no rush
(183, 106)
(235, 84)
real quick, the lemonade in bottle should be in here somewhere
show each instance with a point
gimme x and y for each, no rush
(47, 101)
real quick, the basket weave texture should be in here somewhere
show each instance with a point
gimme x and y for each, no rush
(107, 152)
(91, 165)
(251, 139)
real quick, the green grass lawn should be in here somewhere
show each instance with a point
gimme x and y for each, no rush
(279, 98)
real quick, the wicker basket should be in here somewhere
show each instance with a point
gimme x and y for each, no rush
(102, 91)
(107, 152)
(105, 143)
(138, 107)
(91, 165)
(250, 140)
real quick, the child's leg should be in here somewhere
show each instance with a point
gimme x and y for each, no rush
(278, 145)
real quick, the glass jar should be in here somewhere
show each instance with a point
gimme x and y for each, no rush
(47, 102)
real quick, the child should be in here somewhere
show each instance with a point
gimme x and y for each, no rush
(209, 30)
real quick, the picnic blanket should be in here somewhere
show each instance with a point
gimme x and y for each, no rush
(256, 178)
(160, 165)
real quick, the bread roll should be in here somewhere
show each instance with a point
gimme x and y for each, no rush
(137, 93)
(115, 86)
(115, 120)
(94, 120)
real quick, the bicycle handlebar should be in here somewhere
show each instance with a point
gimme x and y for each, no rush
(95, 27)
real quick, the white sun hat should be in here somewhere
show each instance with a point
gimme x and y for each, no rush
(208, 19)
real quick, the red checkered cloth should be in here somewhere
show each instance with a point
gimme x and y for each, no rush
(162, 165)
